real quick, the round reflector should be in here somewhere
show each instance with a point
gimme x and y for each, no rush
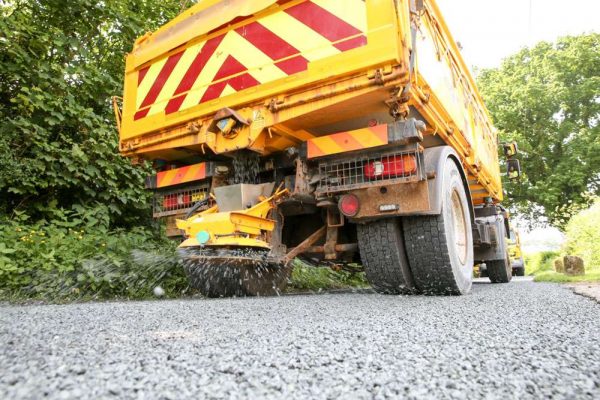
(203, 237)
(349, 205)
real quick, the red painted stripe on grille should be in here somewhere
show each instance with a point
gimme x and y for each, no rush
(158, 84)
(323, 22)
(230, 67)
(142, 75)
(193, 72)
(273, 46)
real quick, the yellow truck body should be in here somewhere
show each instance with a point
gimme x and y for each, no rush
(516, 253)
(301, 80)
(358, 103)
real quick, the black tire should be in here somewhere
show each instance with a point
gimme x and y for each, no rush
(233, 272)
(499, 271)
(518, 267)
(383, 256)
(439, 263)
(483, 273)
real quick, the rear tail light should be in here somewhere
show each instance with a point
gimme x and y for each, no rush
(176, 200)
(391, 167)
(349, 205)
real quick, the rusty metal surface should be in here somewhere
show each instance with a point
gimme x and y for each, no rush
(330, 242)
(411, 198)
(171, 228)
(340, 248)
(307, 243)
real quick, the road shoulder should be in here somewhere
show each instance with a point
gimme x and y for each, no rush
(587, 289)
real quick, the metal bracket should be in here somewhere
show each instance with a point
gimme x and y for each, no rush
(330, 243)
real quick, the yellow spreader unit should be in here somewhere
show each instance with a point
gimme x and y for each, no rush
(246, 228)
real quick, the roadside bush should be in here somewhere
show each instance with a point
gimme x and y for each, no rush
(540, 262)
(583, 236)
(73, 258)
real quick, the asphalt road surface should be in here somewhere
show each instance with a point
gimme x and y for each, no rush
(520, 340)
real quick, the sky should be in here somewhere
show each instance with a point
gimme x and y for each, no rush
(490, 30)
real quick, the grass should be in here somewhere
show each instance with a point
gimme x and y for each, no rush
(541, 267)
(555, 277)
(541, 262)
(305, 277)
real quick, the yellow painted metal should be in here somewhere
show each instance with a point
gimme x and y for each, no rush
(336, 87)
(234, 241)
(240, 228)
(192, 32)
(514, 245)
(445, 92)
(347, 141)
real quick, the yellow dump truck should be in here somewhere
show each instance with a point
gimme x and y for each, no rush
(336, 131)
(515, 253)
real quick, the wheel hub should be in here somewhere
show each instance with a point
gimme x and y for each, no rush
(460, 227)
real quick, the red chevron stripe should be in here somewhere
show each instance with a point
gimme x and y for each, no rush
(327, 25)
(353, 43)
(274, 47)
(230, 67)
(286, 57)
(142, 74)
(159, 83)
(192, 73)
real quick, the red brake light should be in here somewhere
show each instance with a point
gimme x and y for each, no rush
(391, 167)
(172, 201)
(349, 205)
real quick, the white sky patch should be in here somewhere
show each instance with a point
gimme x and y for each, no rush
(541, 239)
(490, 30)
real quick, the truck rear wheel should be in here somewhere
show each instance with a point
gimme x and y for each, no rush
(384, 258)
(500, 271)
(440, 247)
(233, 272)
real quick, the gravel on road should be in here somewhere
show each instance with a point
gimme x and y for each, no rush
(519, 340)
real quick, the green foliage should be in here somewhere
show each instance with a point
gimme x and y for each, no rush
(72, 258)
(540, 262)
(60, 63)
(583, 236)
(547, 99)
(554, 277)
(305, 277)
(74, 215)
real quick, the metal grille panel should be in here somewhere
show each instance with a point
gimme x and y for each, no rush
(368, 170)
(177, 201)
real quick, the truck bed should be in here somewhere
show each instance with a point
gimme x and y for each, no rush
(298, 69)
